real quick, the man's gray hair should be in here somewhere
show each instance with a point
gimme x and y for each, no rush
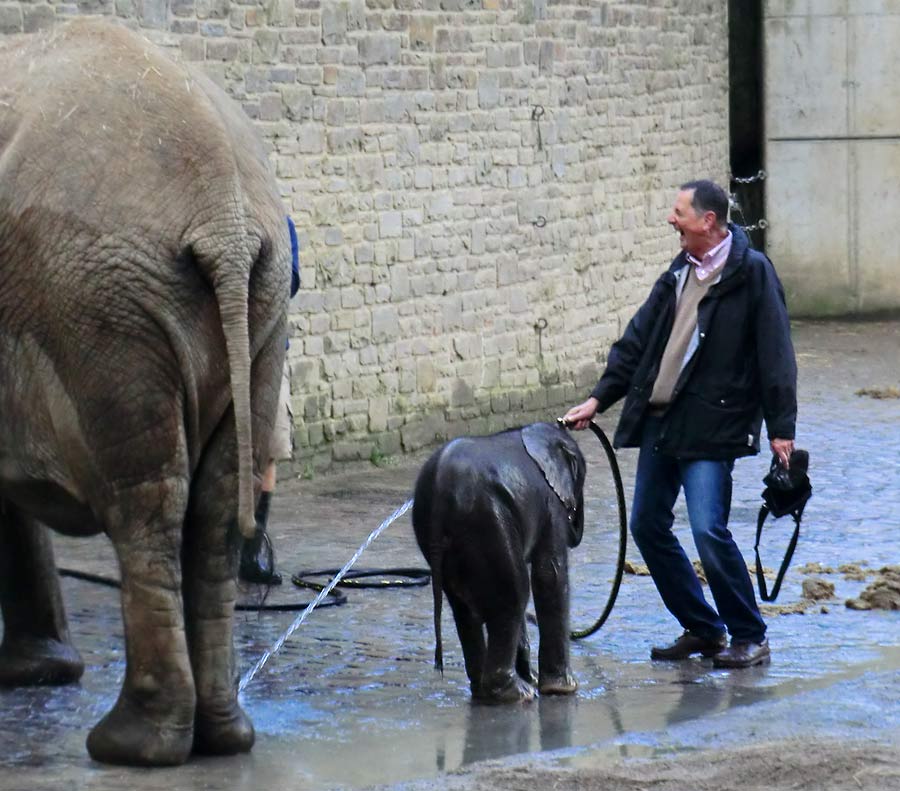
(709, 196)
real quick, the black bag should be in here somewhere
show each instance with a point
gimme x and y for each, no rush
(787, 492)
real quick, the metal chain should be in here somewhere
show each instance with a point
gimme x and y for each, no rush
(762, 224)
(761, 176)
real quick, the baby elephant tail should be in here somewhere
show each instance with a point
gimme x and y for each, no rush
(435, 560)
(428, 524)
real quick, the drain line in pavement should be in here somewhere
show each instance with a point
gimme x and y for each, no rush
(248, 676)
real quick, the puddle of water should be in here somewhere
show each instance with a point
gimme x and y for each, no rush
(351, 700)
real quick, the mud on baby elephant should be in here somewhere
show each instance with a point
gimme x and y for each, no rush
(485, 509)
(144, 271)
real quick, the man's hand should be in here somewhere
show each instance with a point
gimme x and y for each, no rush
(782, 448)
(579, 416)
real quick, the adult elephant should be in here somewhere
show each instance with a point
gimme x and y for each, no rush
(144, 270)
(484, 509)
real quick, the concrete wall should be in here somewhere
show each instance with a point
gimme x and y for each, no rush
(833, 152)
(481, 188)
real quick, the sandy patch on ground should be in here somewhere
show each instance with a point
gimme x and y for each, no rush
(802, 764)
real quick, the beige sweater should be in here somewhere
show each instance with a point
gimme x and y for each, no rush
(676, 347)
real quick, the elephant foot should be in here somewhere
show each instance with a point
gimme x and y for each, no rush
(223, 733)
(506, 688)
(129, 736)
(562, 684)
(33, 661)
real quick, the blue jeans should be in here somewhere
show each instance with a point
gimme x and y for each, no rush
(707, 493)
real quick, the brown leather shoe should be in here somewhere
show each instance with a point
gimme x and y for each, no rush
(743, 654)
(687, 645)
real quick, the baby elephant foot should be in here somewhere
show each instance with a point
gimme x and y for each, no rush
(33, 661)
(560, 684)
(223, 732)
(506, 688)
(129, 736)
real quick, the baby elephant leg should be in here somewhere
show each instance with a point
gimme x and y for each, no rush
(504, 601)
(523, 657)
(550, 579)
(471, 636)
(502, 681)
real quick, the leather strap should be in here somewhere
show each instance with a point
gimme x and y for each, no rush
(792, 545)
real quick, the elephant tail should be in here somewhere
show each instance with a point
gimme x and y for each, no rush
(428, 525)
(233, 296)
(229, 276)
(436, 562)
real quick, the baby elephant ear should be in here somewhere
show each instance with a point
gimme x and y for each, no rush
(548, 446)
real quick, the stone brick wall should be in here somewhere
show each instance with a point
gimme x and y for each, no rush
(480, 188)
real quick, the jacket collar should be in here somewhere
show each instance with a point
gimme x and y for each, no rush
(735, 263)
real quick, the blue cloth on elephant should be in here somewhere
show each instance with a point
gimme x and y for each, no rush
(295, 257)
(295, 263)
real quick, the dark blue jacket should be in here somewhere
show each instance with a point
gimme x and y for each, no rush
(743, 369)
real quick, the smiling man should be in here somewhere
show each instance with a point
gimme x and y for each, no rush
(705, 359)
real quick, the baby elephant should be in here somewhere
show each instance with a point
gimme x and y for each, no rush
(485, 508)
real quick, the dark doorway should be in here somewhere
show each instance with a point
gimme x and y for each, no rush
(746, 124)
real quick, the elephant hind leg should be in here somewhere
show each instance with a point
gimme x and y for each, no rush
(470, 629)
(152, 721)
(502, 681)
(507, 672)
(221, 727)
(36, 647)
(496, 582)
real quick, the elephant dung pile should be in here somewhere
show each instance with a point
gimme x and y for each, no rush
(882, 594)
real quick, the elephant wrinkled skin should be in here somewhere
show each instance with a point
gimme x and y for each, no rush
(144, 270)
(484, 509)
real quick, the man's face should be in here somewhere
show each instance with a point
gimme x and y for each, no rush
(693, 227)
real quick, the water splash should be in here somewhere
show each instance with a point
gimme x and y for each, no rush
(248, 676)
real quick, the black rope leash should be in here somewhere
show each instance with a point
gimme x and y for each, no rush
(409, 577)
(400, 577)
(84, 576)
(336, 597)
(580, 634)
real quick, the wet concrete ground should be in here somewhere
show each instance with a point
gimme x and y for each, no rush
(352, 701)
